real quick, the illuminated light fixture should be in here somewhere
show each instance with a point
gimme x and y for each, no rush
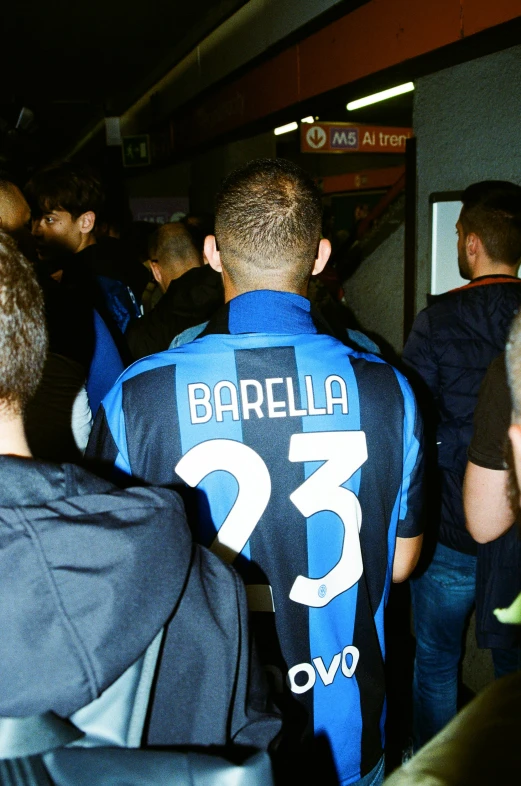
(393, 91)
(308, 119)
(285, 129)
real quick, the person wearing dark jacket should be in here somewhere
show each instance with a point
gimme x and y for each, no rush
(92, 577)
(192, 291)
(65, 201)
(451, 345)
(490, 514)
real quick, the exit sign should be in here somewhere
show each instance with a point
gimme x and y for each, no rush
(136, 150)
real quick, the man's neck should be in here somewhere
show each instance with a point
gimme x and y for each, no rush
(487, 268)
(180, 271)
(273, 283)
(87, 240)
(13, 441)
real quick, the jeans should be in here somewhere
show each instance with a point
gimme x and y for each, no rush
(375, 777)
(505, 661)
(442, 600)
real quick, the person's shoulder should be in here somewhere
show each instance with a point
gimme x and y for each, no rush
(148, 364)
(441, 310)
(379, 373)
(422, 320)
(78, 481)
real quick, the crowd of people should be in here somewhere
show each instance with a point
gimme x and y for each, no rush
(210, 482)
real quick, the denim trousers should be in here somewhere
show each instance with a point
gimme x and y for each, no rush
(375, 777)
(442, 600)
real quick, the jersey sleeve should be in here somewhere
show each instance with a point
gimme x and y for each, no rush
(492, 419)
(412, 496)
(106, 451)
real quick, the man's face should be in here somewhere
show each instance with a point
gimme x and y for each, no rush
(57, 233)
(463, 264)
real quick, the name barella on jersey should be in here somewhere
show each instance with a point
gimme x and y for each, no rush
(305, 461)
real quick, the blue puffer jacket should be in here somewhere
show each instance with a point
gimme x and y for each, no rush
(451, 345)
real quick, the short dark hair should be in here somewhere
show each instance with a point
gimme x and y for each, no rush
(492, 210)
(23, 337)
(172, 244)
(75, 189)
(268, 220)
(199, 225)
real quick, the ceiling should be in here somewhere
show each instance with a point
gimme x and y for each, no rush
(71, 64)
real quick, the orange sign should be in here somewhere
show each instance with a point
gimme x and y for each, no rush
(352, 138)
(364, 180)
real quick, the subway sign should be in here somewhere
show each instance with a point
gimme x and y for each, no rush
(352, 138)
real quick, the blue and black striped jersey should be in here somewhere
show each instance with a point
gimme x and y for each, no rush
(305, 463)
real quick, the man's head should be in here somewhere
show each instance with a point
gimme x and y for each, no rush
(489, 228)
(267, 229)
(172, 252)
(23, 338)
(64, 202)
(15, 215)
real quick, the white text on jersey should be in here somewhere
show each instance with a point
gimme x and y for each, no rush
(302, 677)
(274, 398)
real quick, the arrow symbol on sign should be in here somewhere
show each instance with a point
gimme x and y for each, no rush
(316, 137)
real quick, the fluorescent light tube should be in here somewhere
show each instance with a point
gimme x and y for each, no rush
(308, 119)
(393, 91)
(285, 129)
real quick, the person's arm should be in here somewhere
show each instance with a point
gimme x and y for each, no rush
(409, 535)
(106, 454)
(485, 498)
(486, 502)
(406, 556)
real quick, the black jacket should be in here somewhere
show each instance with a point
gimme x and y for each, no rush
(451, 345)
(190, 299)
(89, 574)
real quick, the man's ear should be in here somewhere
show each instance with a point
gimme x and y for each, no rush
(212, 255)
(473, 246)
(86, 222)
(156, 272)
(323, 254)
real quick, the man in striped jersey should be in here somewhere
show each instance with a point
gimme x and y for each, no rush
(304, 459)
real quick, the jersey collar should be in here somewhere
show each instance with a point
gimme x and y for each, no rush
(489, 279)
(265, 311)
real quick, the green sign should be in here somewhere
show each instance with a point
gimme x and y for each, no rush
(136, 150)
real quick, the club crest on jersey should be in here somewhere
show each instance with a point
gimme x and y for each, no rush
(272, 398)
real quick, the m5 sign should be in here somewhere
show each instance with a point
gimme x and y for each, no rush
(351, 138)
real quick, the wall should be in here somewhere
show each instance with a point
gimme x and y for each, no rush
(201, 178)
(375, 292)
(360, 47)
(249, 32)
(466, 120)
(209, 169)
(167, 182)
